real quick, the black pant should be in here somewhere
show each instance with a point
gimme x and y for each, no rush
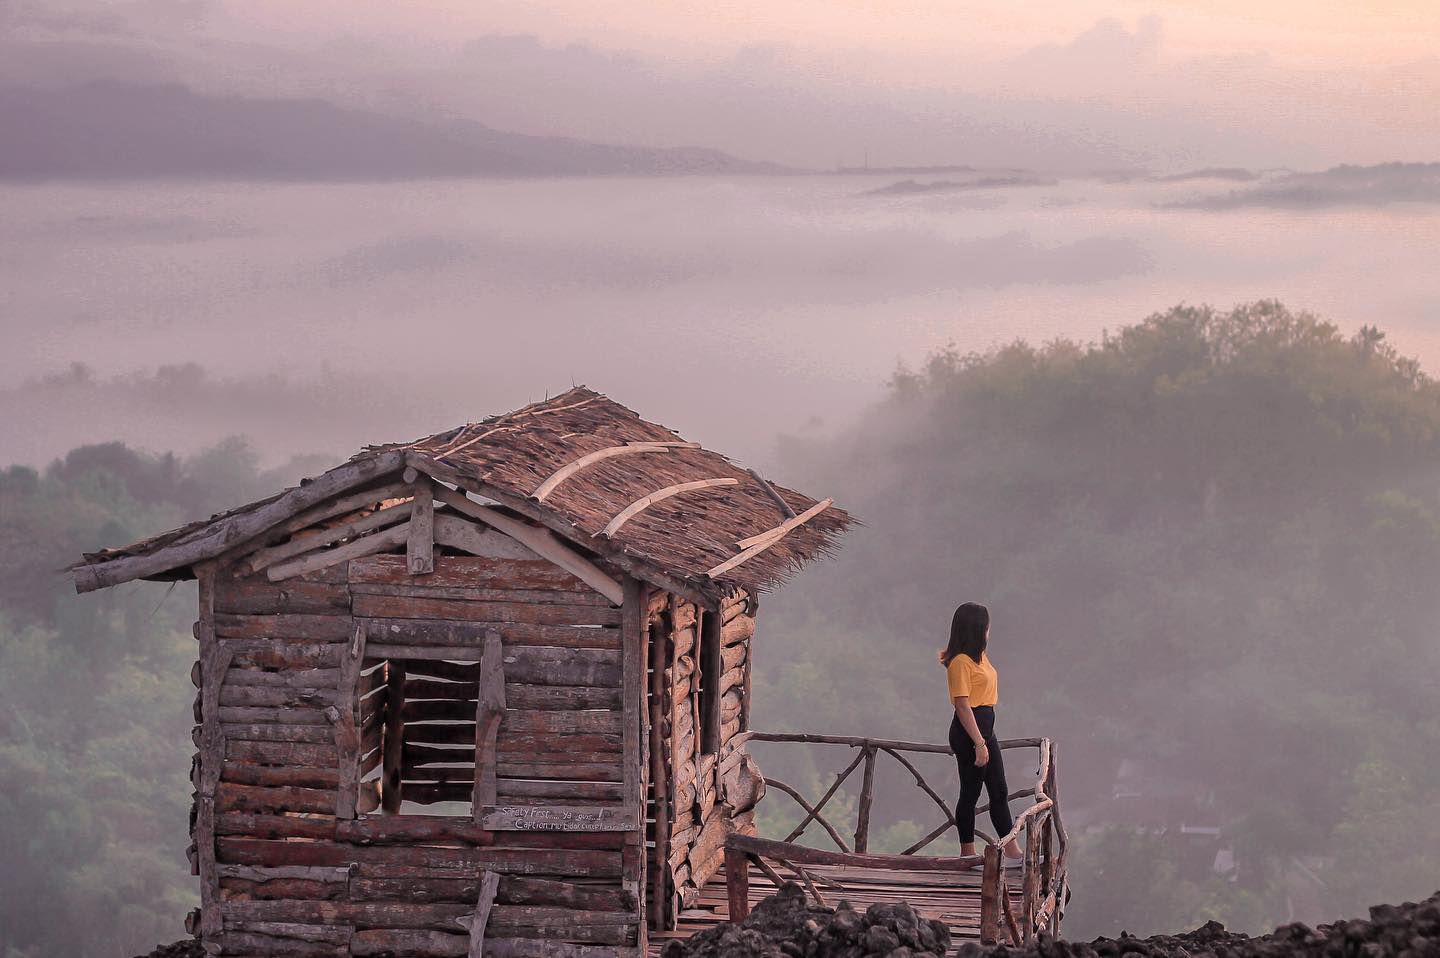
(991, 775)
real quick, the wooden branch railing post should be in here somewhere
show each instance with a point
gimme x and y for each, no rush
(1012, 927)
(990, 905)
(1047, 854)
(1030, 880)
(867, 798)
(737, 883)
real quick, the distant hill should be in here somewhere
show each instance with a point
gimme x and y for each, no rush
(115, 130)
(914, 187)
(1383, 184)
(1235, 173)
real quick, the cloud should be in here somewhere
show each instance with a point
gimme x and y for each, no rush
(1118, 94)
(323, 317)
(1106, 50)
(174, 407)
(761, 259)
(1385, 184)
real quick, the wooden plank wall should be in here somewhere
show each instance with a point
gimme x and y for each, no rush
(705, 806)
(293, 877)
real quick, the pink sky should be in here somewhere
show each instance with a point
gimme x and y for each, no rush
(1075, 84)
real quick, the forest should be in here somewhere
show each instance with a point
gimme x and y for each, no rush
(1209, 543)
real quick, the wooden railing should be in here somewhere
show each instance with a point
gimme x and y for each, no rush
(1042, 889)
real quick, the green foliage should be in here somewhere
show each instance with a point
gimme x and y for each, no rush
(1117, 861)
(1210, 544)
(95, 737)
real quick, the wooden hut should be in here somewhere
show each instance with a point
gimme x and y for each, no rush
(477, 688)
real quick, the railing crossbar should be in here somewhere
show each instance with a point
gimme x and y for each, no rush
(856, 741)
(949, 823)
(814, 813)
(839, 780)
(920, 780)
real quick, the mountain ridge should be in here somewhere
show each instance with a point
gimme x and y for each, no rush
(110, 130)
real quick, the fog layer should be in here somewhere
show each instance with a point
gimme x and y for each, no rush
(321, 317)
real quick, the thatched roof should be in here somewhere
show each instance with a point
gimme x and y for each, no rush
(684, 536)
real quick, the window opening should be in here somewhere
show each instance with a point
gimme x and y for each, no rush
(709, 676)
(423, 759)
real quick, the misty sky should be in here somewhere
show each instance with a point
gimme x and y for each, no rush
(1075, 84)
(320, 315)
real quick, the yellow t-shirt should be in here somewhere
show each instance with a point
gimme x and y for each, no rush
(980, 682)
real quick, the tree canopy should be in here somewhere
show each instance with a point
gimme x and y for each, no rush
(1209, 544)
(95, 736)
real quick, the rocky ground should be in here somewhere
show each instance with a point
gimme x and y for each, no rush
(190, 948)
(785, 926)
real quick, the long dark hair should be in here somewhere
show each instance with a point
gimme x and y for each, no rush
(967, 632)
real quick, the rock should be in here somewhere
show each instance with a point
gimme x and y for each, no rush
(880, 941)
(785, 925)
(189, 948)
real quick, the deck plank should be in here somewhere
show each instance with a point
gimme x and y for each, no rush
(953, 898)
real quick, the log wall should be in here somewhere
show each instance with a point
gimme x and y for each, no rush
(307, 846)
(711, 787)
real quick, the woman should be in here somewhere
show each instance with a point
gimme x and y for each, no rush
(974, 688)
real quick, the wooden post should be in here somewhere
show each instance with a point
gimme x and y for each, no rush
(659, 777)
(489, 711)
(632, 660)
(737, 883)
(867, 798)
(420, 545)
(1012, 927)
(1047, 854)
(346, 720)
(990, 896)
(677, 761)
(390, 790)
(1030, 881)
(489, 885)
(214, 662)
(747, 688)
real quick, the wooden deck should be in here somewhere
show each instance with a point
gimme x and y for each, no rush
(954, 898)
(980, 897)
